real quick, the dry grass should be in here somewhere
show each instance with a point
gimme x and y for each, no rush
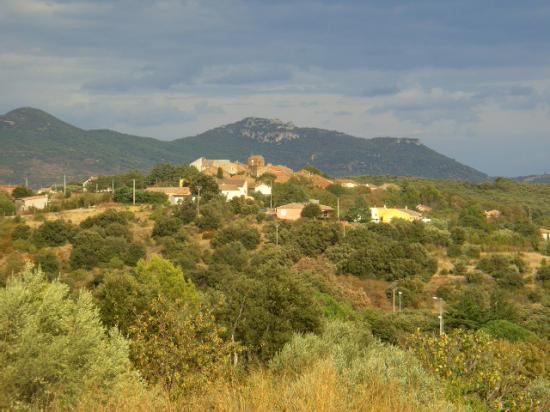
(319, 389)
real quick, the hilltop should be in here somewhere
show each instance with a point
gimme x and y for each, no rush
(41, 147)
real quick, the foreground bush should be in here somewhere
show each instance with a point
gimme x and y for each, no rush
(53, 349)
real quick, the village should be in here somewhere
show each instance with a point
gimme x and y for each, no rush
(238, 180)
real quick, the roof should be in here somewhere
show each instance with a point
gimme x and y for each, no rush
(228, 187)
(542, 230)
(323, 208)
(171, 191)
(33, 198)
(340, 181)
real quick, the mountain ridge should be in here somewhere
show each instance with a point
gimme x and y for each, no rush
(43, 148)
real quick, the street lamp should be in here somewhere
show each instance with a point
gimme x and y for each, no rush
(199, 187)
(400, 294)
(441, 324)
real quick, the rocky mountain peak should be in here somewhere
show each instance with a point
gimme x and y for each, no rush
(264, 130)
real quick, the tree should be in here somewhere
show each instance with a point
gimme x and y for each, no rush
(288, 192)
(248, 236)
(7, 207)
(186, 211)
(54, 348)
(21, 231)
(166, 226)
(49, 264)
(219, 173)
(54, 233)
(21, 191)
(161, 275)
(179, 347)
(208, 186)
(311, 211)
(87, 250)
(312, 169)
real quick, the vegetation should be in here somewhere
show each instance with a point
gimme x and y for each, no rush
(215, 305)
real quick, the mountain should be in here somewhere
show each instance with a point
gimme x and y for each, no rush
(36, 145)
(538, 179)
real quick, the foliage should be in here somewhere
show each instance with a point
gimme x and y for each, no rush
(49, 264)
(21, 231)
(54, 233)
(504, 329)
(125, 195)
(311, 211)
(477, 365)
(166, 226)
(179, 347)
(21, 191)
(54, 348)
(7, 207)
(248, 236)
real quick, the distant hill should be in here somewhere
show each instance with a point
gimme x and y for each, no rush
(538, 179)
(39, 146)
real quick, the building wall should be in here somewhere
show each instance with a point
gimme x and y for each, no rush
(38, 203)
(386, 215)
(289, 214)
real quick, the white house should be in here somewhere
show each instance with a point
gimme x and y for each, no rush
(176, 195)
(545, 233)
(31, 202)
(234, 187)
(262, 188)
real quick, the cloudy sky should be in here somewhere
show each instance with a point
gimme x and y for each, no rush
(469, 78)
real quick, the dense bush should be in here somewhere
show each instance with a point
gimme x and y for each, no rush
(166, 226)
(247, 235)
(21, 231)
(54, 233)
(7, 207)
(55, 349)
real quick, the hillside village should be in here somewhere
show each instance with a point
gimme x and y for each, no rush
(250, 268)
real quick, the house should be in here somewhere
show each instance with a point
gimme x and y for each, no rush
(44, 190)
(315, 179)
(7, 188)
(260, 187)
(233, 187)
(91, 180)
(293, 211)
(25, 204)
(545, 233)
(385, 186)
(386, 214)
(282, 173)
(492, 214)
(347, 183)
(424, 208)
(211, 166)
(176, 195)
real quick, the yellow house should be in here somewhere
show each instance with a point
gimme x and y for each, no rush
(386, 214)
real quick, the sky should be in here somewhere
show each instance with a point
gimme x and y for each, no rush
(470, 79)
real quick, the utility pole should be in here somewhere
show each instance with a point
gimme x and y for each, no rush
(400, 306)
(441, 322)
(393, 300)
(277, 233)
(271, 196)
(112, 189)
(134, 191)
(199, 187)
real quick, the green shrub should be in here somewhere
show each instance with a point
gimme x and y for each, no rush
(21, 231)
(248, 236)
(504, 329)
(55, 348)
